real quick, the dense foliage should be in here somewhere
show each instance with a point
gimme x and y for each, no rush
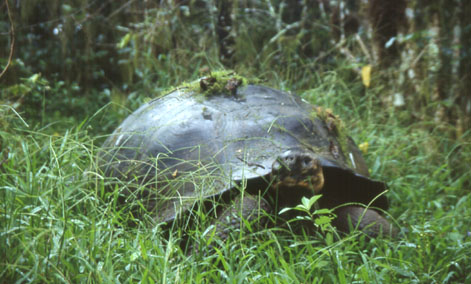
(79, 67)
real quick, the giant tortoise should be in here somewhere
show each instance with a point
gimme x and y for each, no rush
(247, 148)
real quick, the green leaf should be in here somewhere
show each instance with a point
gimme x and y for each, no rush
(308, 203)
(34, 78)
(323, 211)
(124, 41)
(286, 209)
(323, 221)
(305, 206)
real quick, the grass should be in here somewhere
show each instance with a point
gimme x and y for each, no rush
(58, 224)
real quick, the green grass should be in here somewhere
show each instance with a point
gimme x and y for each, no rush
(59, 224)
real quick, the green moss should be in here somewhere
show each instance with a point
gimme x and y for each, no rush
(223, 81)
(335, 126)
(216, 82)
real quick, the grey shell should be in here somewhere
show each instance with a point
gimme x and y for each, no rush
(185, 146)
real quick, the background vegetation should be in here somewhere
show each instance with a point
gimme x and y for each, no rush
(396, 71)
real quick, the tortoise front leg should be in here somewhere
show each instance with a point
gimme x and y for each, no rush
(249, 208)
(241, 211)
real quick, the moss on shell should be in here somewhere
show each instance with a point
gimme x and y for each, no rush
(224, 81)
(336, 127)
(216, 82)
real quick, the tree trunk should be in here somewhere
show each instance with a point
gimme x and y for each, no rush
(224, 31)
(386, 17)
(444, 19)
(464, 100)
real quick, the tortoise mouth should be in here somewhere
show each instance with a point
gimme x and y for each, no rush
(312, 184)
(298, 170)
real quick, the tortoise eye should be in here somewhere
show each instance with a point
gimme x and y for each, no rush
(306, 160)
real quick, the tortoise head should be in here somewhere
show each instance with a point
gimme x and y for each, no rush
(298, 169)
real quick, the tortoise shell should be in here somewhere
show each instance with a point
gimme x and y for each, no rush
(186, 146)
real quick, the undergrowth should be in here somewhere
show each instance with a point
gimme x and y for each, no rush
(59, 224)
